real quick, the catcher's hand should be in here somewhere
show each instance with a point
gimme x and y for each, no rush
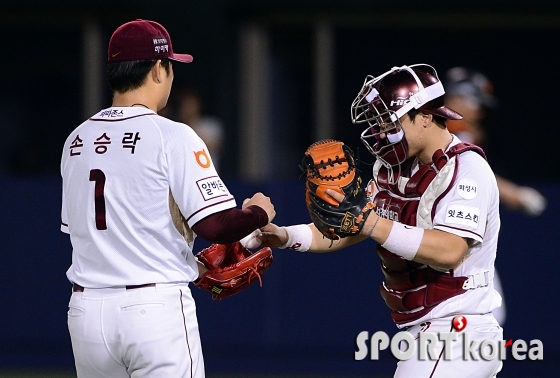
(231, 268)
(329, 164)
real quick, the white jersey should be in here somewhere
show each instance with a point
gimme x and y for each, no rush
(118, 170)
(471, 210)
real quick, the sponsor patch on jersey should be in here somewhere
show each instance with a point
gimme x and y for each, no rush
(463, 215)
(202, 159)
(212, 187)
(111, 113)
(467, 188)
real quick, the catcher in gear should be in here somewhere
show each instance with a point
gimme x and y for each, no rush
(231, 268)
(436, 221)
(330, 164)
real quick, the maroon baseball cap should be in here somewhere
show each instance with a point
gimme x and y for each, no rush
(142, 40)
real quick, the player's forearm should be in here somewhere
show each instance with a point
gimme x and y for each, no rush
(230, 225)
(321, 244)
(432, 247)
(441, 249)
(303, 238)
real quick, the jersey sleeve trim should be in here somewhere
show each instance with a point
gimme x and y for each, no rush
(206, 207)
(459, 232)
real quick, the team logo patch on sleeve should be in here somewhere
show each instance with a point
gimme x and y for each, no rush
(463, 215)
(212, 187)
(202, 159)
(467, 188)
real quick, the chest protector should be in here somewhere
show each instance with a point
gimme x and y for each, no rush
(411, 289)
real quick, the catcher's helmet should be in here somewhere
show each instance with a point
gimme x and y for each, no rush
(386, 98)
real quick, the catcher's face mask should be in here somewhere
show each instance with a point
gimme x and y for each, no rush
(383, 100)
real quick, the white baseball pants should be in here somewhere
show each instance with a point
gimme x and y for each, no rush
(461, 364)
(144, 332)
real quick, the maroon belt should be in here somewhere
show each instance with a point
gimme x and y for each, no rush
(78, 288)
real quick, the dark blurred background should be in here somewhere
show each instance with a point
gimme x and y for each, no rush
(278, 75)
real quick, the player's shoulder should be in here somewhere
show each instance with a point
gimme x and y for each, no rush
(472, 161)
(174, 131)
(177, 135)
(474, 175)
(171, 124)
(76, 132)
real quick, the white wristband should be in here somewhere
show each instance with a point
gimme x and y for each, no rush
(404, 240)
(299, 238)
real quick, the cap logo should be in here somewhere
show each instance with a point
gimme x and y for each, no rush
(142, 40)
(160, 45)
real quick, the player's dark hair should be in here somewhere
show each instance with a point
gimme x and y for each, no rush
(127, 76)
(438, 120)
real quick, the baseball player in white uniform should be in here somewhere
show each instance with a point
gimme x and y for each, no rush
(125, 171)
(436, 220)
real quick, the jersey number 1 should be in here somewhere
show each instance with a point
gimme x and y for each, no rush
(98, 176)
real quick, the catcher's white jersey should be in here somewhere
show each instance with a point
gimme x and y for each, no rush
(118, 169)
(471, 210)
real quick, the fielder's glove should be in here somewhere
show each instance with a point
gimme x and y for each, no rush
(231, 268)
(329, 164)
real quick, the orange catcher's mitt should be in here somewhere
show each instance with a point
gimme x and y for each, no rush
(231, 268)
(330, 164)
